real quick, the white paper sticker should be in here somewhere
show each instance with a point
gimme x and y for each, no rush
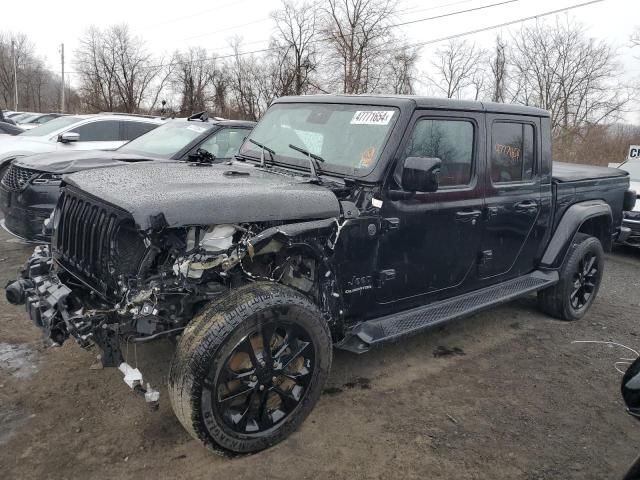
(372, 117)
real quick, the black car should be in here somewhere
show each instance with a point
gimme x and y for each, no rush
(343, 220)
(29, 188)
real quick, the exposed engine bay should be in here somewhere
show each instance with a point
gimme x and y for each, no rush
(102, 281)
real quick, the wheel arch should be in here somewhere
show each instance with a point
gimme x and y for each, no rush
(593, 218)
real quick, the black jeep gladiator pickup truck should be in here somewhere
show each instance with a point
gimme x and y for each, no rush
(343, 220)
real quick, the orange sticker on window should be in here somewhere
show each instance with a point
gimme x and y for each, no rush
(367, 157)
(512, 152)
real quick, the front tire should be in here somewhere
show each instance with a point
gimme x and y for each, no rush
(580, 278)
(250, 368)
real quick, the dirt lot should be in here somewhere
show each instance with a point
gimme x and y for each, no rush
(504, 394)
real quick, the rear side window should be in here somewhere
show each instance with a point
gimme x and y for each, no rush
(132, 130)
(449, 140)
(101, 131)
(225, 142)
(512, 154)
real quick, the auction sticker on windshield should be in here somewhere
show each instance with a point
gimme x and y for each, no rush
(372, 117)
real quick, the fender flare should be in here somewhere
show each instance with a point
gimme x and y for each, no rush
(569, 224)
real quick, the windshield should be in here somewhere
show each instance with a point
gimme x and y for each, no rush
(633, 168)
(166, 140)
(51, 126)
(348, 137)
(28, 118)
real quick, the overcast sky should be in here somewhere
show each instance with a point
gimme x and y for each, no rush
(167, 25)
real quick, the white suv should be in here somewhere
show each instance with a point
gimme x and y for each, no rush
(105, 131)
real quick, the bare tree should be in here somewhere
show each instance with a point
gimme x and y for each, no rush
(295, 42)
(193, 77)
(38, 87)
(635, 38)
(400, 70)
(558, 68)
(499, 72)
(116, 71)
(250, 84)
(357, 32)
(459, 70)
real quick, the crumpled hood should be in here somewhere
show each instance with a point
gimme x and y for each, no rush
(70, 162)
(187, 194)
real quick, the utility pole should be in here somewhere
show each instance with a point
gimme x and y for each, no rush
(62, 62)
(15, 74)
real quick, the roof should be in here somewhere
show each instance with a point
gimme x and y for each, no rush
(419, 102)
(123, 116)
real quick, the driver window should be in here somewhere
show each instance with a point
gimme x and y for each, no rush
(225, 142)
(449, 140)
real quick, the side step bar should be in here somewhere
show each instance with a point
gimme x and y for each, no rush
(371, 332)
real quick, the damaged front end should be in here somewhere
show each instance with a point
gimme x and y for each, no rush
(104, 282)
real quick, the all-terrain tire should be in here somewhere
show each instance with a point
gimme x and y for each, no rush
(557, 300)
(203, 353)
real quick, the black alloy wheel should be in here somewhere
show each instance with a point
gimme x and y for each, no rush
(264, 378)
(579, 280)
(584, 281)
(250, 367)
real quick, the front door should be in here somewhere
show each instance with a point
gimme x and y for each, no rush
(430, 241)
(513, 201)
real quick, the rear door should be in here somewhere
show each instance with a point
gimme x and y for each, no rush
(512, 220)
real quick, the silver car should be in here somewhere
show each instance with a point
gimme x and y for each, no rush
(76, 132)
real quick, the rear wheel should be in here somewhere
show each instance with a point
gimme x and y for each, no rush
(250, 368)
(580, 278)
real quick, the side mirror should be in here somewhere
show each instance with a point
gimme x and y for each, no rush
(68, 137)
(421, 174)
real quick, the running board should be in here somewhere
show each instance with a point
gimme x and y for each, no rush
(371, 332)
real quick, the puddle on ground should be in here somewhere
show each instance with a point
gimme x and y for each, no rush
(19, 360)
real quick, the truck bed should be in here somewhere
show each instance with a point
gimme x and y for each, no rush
(572, 172)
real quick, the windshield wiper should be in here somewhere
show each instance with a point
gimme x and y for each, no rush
(313, 159)
(262, 149)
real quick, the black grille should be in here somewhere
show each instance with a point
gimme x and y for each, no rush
(83, 238)
(17, 177)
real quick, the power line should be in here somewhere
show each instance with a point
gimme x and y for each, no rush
(389, 26)
(267, 49)
(506, 24)
(266, 19)
(191, 15)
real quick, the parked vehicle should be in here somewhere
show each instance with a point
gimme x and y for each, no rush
(4, 118)
(632, 218)
(76, 132)
(30, 188)
(22, 116)
(9, 129)
(38, 119)
(345, 220)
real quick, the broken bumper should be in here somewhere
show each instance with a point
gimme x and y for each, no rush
(47, 301)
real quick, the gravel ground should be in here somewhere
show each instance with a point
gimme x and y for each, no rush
(503, 394)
